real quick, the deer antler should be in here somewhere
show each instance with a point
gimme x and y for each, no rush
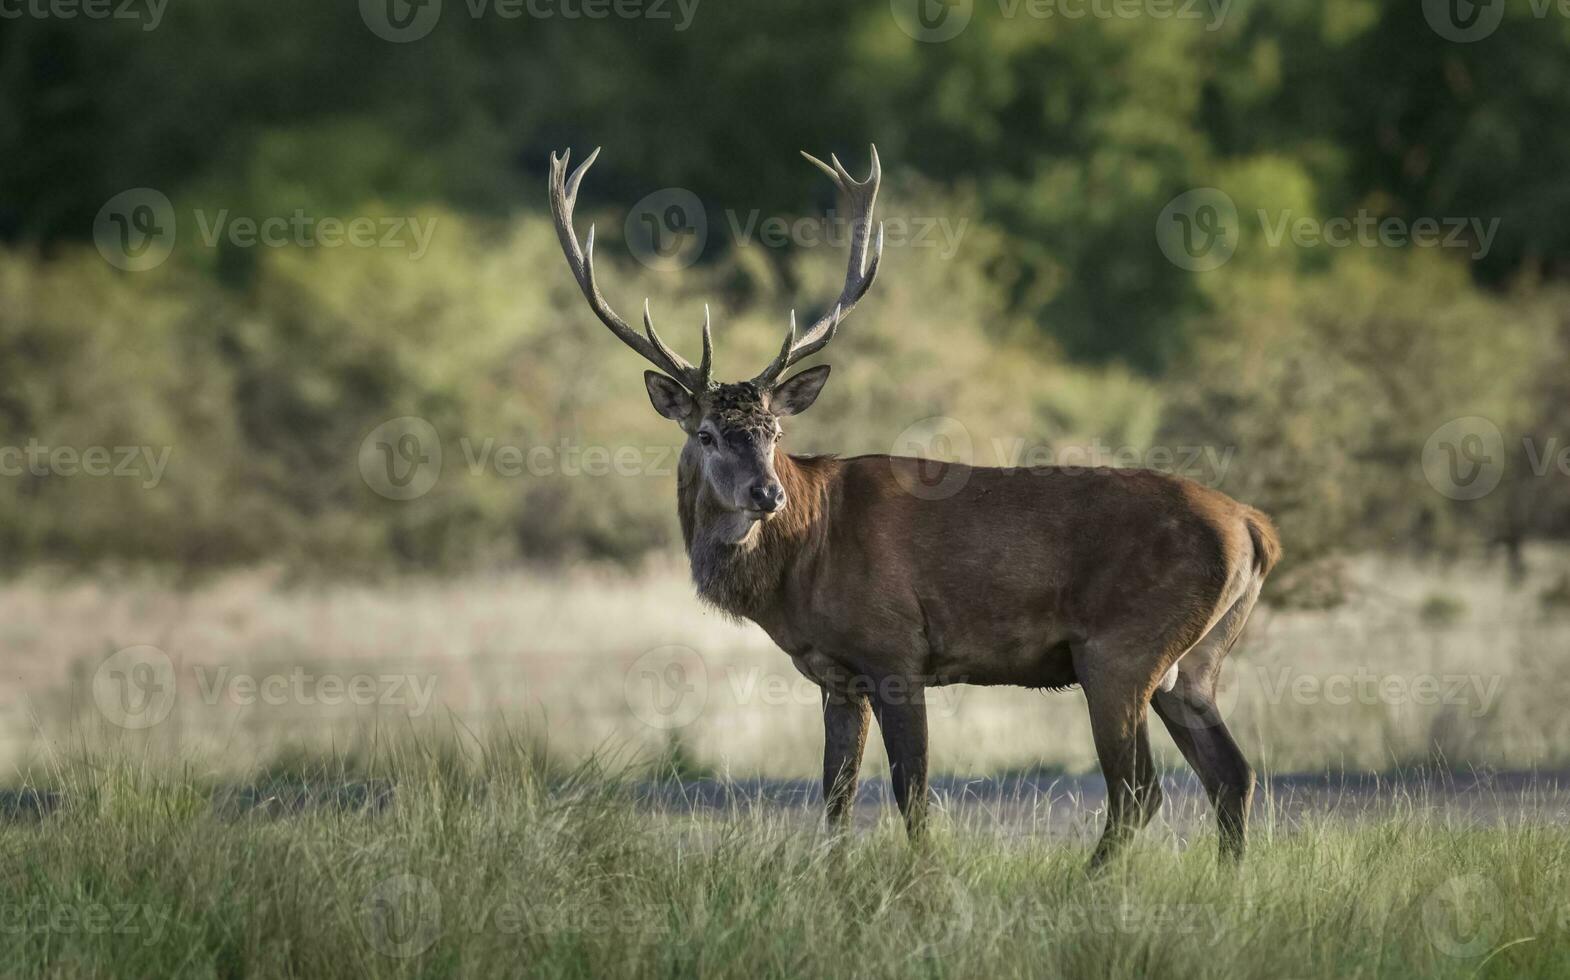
(862, 195)
(564, 195)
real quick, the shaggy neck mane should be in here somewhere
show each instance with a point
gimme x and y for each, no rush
(743, 579)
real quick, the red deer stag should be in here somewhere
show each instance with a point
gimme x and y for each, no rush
(1132, 584)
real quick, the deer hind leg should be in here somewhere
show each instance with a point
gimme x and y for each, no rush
(846, 719)
(1191, 715)
(1119, 703)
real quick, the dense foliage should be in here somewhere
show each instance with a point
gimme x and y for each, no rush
(1048, 144)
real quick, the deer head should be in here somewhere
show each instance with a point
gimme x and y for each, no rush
(732, 429)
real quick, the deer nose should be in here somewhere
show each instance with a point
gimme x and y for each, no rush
(768, 497)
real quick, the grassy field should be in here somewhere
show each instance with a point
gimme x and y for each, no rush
(488, 805)
(492, 861)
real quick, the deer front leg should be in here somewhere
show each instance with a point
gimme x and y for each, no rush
(846, 719)
(901, 710)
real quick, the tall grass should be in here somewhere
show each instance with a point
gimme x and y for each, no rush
(488, 860)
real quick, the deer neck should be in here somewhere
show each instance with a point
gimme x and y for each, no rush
(739, 569)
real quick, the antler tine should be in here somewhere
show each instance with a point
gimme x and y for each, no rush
(706, 364)
(859, 273)
(696, 379)
(564, 197)
(833, 172)
(781, 360)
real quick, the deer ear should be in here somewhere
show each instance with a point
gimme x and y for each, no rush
(796, 394)
(670, 399)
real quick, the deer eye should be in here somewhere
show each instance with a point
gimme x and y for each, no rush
(705, 438)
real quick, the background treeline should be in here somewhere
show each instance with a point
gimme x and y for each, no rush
(1057, 320)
